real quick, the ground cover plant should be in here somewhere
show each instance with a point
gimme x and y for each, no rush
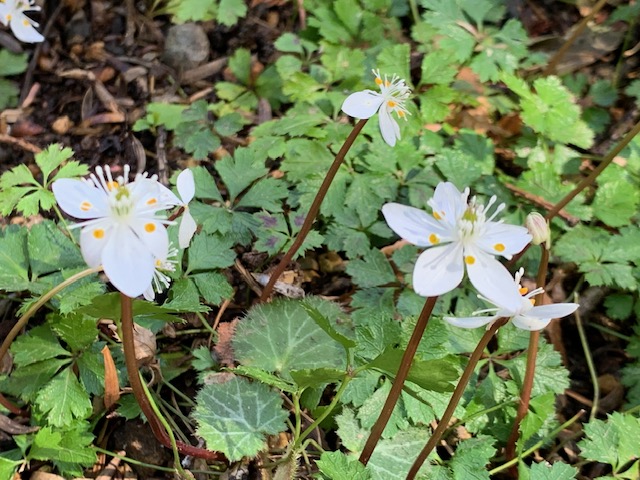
(350, 239)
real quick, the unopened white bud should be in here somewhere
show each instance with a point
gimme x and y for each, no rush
(539, 229)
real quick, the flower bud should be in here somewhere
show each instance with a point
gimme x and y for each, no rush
(539, 229)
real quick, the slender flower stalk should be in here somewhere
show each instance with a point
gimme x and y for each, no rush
(530, 369)
(131, 363)
(313, 212)
(455, 397)
(398, 381)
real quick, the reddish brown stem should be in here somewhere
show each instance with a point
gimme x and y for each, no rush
(398, 382)
(313, 211)
(138, 391)
(455, 397)
(530, 370)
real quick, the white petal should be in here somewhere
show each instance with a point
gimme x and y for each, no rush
(492, 279)
(4, 10)
(93, 240)
(527, 322)
(23, 28)
(415, 225)
(388, 126)
(152, 234)
(449, 202)
(503, 239)
(469, 322)
(557, 310)
(79, 199)
(186, 186)
(187, 229)
(128, 262)
(438, 270)
(362, 104)
(149, 294)
(168, 197)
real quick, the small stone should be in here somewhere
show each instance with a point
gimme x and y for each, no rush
(186, 47)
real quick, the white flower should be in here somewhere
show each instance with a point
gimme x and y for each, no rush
(460, 235)
(12, 14)
(161, 280)
(525, 316)
(393, 94)
(186, 190)
(122, 230)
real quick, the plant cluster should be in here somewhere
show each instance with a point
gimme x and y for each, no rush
(445, 184)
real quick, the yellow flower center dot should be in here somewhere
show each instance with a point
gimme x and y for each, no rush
(150, 228)
(499, 247)
(98, 233)
(152, 201)
(433, 238)
(523, 290)
(85, 206)
(469, 260)
(391, 103)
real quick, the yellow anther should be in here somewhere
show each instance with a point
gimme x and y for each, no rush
(401, 113)
(85, 206)
(437, 216)
(523, 290)
(499, 247)
(378, 81)
(391, 103)
(112, 185)
(150, 227)
(387, 83)
(469, 260)
(533, 301)
(433, 238)
(98, 233)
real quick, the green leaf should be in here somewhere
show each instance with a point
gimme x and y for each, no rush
(206, 188)
(167, 115)
(557, 471)
(213, 287)
(550, 376)
(26, 382)
(202, 359)
(337, 465)
(184, 296)
(281, 336)
(349, 13)
(199, 141)
(8, 467)
(208, 252)
(70, 449)
(471, 458)
(11, 63)
(316, 377)
(13, 259)
(50, 250)
(9, 93)
(265, 377)
(611, 441)
(230, 11)
(36, 345)
(240, 65)
(72, 169)
(325, 324)
(51, 158)
(234, 417)
(617, 197)
(229, 124)
(371, 271)
(78, 331)
(435, 375)
(266, 193)
(603, 93)
(64, 400)
(394, 59)
(240, 171)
